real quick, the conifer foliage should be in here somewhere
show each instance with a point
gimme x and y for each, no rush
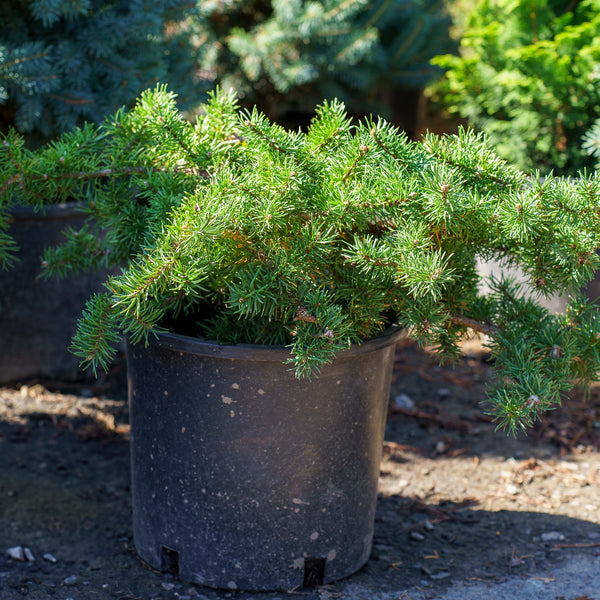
(527, 76)
(284, 55)
(239, 230)
(63, 62)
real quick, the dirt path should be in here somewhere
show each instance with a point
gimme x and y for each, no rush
(460, 505)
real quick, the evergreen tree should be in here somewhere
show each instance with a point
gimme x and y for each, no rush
(527, 75)
(238, 229)
(64, 62)
(287, 55)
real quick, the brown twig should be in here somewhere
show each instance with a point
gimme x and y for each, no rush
(473, 324)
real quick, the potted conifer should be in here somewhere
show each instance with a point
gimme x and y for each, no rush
(303, 255)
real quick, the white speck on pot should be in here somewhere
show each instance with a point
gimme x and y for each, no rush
(235, 386)
(226, 399)
(183, 430)
(331, 554)
(298, 563)
(314, 535)
(232, 413)
(166, 393)
(261, 392)
(232, 585)
(299, 501)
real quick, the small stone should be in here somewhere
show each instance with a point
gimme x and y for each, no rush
(441, 447)
(415, 535)
(428, 525)
(440, 575)
(71, 580)
(404, 401)
(552, 536)
(16, 553)
(49, 558)
(443, 392)
(29, 555)
(168, 586)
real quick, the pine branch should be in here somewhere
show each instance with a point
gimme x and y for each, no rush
(463, 321)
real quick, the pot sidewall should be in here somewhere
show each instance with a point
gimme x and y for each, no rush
(245, 473)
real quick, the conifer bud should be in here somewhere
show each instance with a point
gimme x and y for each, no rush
(363, 148)
(302, 314)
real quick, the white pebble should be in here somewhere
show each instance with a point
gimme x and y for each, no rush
(552, 536)
(404, 401)
(16, 553)
(29, 555)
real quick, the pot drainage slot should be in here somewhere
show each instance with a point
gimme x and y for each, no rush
(314, 571)
(170, 561)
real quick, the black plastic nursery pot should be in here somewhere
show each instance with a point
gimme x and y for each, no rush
(37, 316)
(244, 477)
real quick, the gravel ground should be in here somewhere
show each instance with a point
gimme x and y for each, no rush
(464, 512)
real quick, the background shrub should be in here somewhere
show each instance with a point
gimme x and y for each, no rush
(63, 62)
(528, 75)
(286, 56)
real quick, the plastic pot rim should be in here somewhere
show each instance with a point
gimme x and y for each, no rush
(262, 352)
(61, 210)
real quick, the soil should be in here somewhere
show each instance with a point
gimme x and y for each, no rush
(459, 502)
